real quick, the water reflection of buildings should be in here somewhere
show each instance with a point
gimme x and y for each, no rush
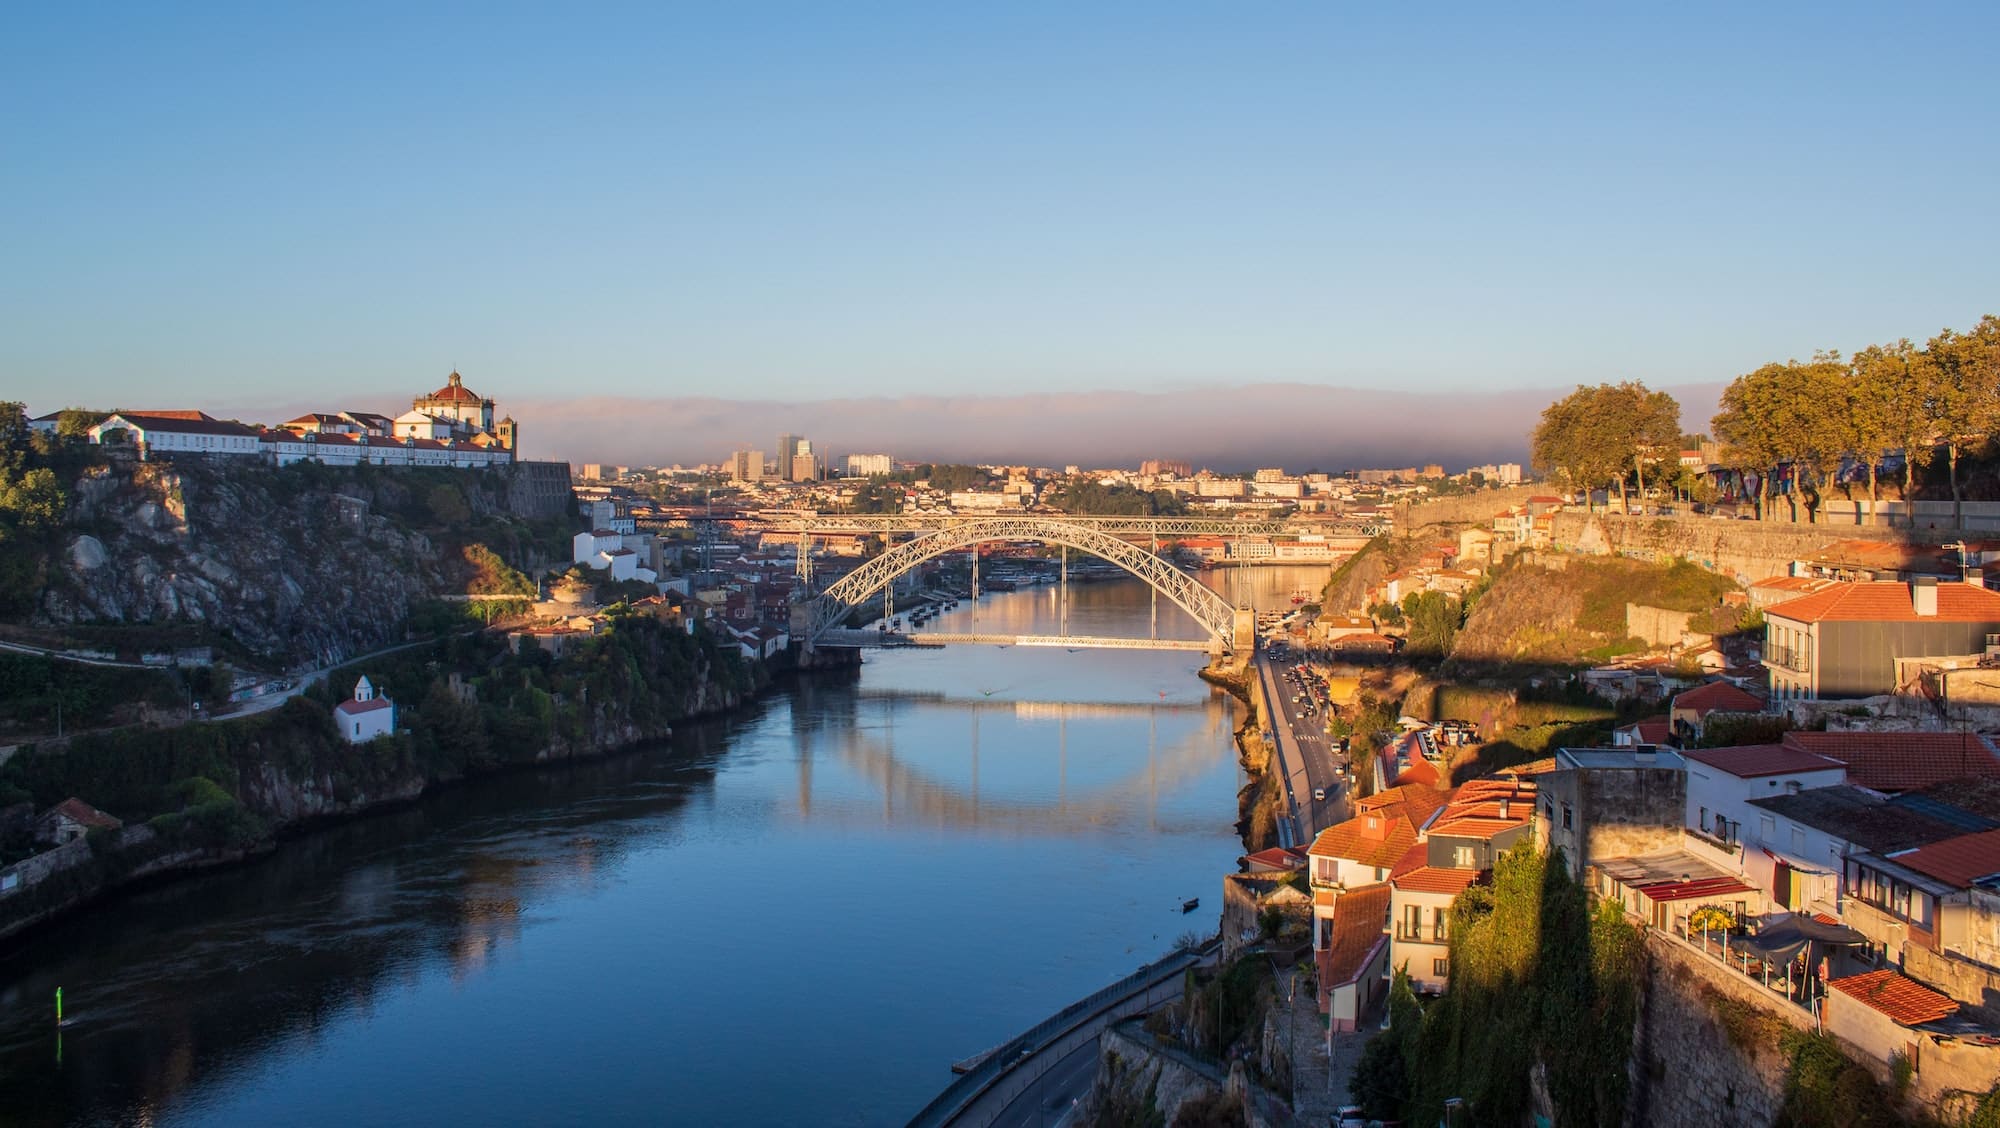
(908, 794)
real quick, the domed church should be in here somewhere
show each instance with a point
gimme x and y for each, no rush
(455, 412)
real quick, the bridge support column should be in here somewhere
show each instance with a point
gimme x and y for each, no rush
(1245, 642)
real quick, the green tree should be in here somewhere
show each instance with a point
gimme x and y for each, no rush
(1574, 441)
(1885, 412)
(1790, 413)
(1962, 395)
(1381, 1080)
(1596, 435)
(1652, 421)
(1434, 619)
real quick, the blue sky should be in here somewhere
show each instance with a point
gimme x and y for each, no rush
(789, 202)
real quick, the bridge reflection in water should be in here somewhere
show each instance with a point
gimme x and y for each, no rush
(942, 783)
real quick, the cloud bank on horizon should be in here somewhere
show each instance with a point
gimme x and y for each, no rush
(1297, 426)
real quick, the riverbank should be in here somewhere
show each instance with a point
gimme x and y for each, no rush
(193, 802)
(1261, 801)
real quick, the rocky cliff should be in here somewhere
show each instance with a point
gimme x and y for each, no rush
(299, 564)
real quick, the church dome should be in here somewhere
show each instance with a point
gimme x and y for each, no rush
(453, 392)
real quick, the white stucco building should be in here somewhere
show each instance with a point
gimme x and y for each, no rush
(366, 715)
(177, 432)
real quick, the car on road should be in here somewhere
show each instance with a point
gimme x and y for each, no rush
(1319, 794)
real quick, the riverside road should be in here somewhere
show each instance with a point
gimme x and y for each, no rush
(1308, 754)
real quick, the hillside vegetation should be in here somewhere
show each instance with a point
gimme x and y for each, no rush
(1538, 616)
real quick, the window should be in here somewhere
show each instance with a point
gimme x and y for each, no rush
(1798, 842)
(1462, 857)
(1437, 927)
(1439, 969)
(1413, 922)
(1767, 828)
(1566, 819)
(1701, 822)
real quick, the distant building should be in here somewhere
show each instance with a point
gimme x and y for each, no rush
(176, 433)
(781, 468)
(1160, 467)
(366, 715)
(746, 466)
(455, 412)
(868, 465)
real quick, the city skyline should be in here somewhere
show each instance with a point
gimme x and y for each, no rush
(802, 203)
(1225, 429)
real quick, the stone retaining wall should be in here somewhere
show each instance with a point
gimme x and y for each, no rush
(1746, 550)
(1685, 1067)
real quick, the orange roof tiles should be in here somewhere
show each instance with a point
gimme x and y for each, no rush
(78, 811)
(1421, 772)
(1888, 601)
(1413, 858)
(1705, 699)
(1960, 861)
(1750, 761)
(1437, 879)
(1372, 839)
(1901, 761)
(1419, 801)
(1906, 1001)
(1358, 921)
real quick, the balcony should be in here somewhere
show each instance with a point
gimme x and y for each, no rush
(1797, 659)
(1407, 935)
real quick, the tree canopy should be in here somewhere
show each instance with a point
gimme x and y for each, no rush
(1085, 496)
(1800, 422)
(1595, 436)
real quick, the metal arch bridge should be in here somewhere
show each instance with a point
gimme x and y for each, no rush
(831, 607)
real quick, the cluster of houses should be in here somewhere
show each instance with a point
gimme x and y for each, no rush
(1848, 866)
(451, 427)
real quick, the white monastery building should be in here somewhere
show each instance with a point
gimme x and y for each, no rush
(452, 427)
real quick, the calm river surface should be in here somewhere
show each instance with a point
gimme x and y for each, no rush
(801, 914)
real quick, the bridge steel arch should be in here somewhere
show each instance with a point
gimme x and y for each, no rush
(1212, 611)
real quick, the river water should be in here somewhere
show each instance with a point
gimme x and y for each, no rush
(800, 914)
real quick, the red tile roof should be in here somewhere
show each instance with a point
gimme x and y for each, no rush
(1415, 857)
(1750, 761)
(1422, 772)
(1437, 879)
(1906, 1001)
(82, 813)
(1277, 857)
(454, 392)
(1372, 839)
(1358, 920)
(1651, 730)
(1887, 601)
(180, 423)
(1960, 861)
(351, 707)
(1901, 761)
(1705, 699)
(1417, 800)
